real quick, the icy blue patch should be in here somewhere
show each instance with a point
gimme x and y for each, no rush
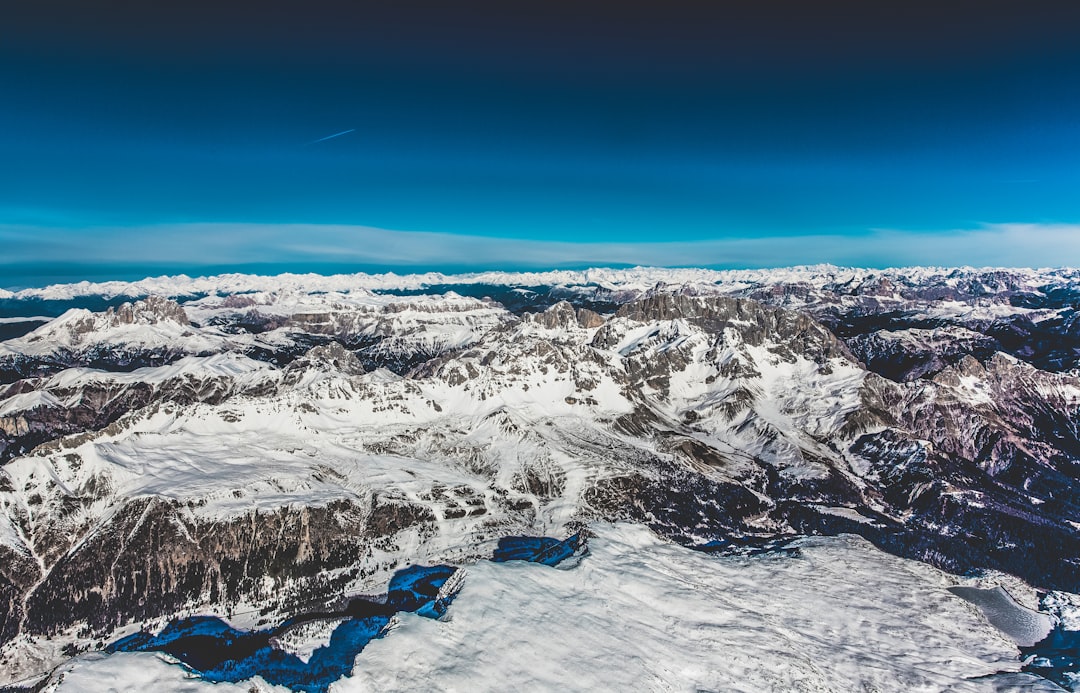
(1057, 658)
(414, 587)
(536, 549)
(217, 652)
(747, 546)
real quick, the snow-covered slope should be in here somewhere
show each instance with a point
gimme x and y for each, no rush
(331, 435)
(150, 324)
(390, 331)
(84, 399)
(386, 330)
(639, 613)
(149, 332)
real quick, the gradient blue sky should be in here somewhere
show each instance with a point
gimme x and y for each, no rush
(147, 137)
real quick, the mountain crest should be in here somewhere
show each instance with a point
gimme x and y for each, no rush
(149, 311)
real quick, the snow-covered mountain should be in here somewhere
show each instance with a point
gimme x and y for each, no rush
(258, 447)
(393, 331)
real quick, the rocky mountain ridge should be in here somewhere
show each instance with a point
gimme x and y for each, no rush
(227, 483)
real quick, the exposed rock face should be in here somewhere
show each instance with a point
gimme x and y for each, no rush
(162, 559)
(331, 357)
(389, 333)
(78, 327)
(983, 459)
(898, 321)
(904, 355)
(423, 428)
(18, 573)
(788, 333)
(149, 311)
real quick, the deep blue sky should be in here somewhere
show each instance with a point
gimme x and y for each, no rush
(122, 123)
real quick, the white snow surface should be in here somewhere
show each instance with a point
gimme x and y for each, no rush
(27, 400)
(406, 324)
(236, 367)
(34, 318)
(138, 672)
(79, 329)
(446, 320)
(468, 425)
(640, 613)
(1025, 626)
(1065, 608)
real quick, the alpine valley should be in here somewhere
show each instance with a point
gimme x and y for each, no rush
(807, 479)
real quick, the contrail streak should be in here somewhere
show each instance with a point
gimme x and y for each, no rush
(330, 137)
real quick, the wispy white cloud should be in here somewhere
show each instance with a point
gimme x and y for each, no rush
(224, 244)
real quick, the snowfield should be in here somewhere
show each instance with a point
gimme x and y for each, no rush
(640, 613)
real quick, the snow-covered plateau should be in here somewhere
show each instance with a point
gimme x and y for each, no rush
(780, 474)
(642, 613)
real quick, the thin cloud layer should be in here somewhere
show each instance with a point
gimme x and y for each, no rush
(198, 245)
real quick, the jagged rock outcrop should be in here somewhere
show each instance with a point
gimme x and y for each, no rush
(331, 357)
(904, 355)
(162, 558)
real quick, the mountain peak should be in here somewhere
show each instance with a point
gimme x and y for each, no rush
(148, 311)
